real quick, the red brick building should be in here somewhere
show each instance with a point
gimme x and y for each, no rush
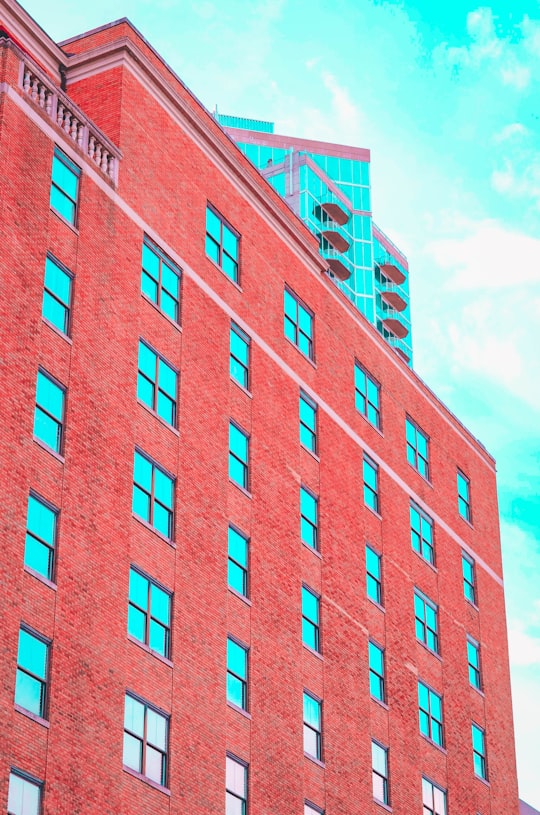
(251, 562)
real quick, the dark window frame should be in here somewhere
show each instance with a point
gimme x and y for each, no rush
(368, 490)
(152, 495)
(314, 625)
(413, 451)
(243, 569)
(245, 483)
(475, 668)
(375, 772)
(380, 678)
(310, 431)
(482, 756)
(243, 366)
(311, 727)
(376, 579)
(312, 524)
(470, 591)
(76, 171)
(43, 682)
(51, 547)
(464, 500)
(425, 546)
(66, 331)
(155, 384)
(148, 612)
(429, 634)
(361, 397)
(144, 740)
(299, 334)
(60, 423)
(220, 245)
(163, 259)
(243, 680)
(438, 727)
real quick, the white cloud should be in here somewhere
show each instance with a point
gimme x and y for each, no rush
(524, 647)
(511, 131)
(518, 76)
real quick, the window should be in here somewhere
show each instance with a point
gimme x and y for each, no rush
(32, 668)
(373, 575)
(157, 384)
(24, 795)
(238, 562)
(422, 534)
(238, 456)
(239, 356)
(479, 751)
(469, 578)
(149, 613)
(309, 518)
(57, 295)
(237, 667)
(236, 784)
(64, 186)
(371, 484)
(379, 773)
(49, 414)
(426, 621)
(464, 496)
(312, 726)
(473, 658)
(40, 537)
(376, 671)
(308, 422)
(310, 809)
(160, 280)
(430, 709)
(146, 735)
(310, 619)
(417, 448)
(222, 243)
(367, 395)
(153, 495)
(298, 324)
(434, 798)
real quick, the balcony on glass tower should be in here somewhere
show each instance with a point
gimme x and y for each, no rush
(334, 240)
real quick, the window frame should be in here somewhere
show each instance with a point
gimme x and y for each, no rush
(224, 224)
(76, 171)
(230, 559)
(66, 331)
(482, 756)
(475, 668)
(429, 715)
(312, 727)
(470, 591)
(432, 807)
(315, 625)
(376, 579)
(312, 809)
(416, 455)
(60, 423)
(52, 547)
(465, 500)
(156, 389)
(241, 763)
(375, 773)
(368, 489)
(308, 522)
(245, 484)
(428, 632)
(149, 617)
(363, 395)
(374, 674)
(297, 332)
(244, 366)
(145, 743)
(43, 681)
(310, 432)
(27, 779)
(424, 544)
(171, 515)
(163, 258)
(243, 680)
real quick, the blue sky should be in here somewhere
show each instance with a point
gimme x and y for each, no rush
(447, 96)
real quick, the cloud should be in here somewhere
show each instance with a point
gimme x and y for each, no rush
(511, 131)
(524, 647)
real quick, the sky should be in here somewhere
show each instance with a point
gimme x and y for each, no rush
(447, 97)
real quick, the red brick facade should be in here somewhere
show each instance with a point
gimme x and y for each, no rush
(174, 160)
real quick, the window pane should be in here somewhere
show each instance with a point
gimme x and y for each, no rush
(32, 654)
(134, 716)
(163, 488)
(154, 768)
(137, 623)
(29, 693)
(160, 603)
(158, 638)
(62, 204)
(23, 797)
(156, 729)
(132, 752)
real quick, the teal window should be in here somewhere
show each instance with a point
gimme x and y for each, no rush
(146, 737)
(153, 495)
(298, 323)
(473, 658)
(149, 613)
(310, 619)
(371, 484)
(236, 786)
(49, 413)
(464, 496)
(479, 751)
(469, 578)
(379, 772)
(417, 448)
(238, 456)
(41, 522)
(24, 795)
(65, 180)
(433, 798)
(57, 295)
(426, 621)
(367, 393)
(422, 533)
(376, 671)
(222, 243)
(237, 673)
(373, 575)
(238, 562)
(157, 383)
(32, 669)
(312, 726)
(239, 356)
(430, 711)
(309, 512)
(308, 422)
(160, 280)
